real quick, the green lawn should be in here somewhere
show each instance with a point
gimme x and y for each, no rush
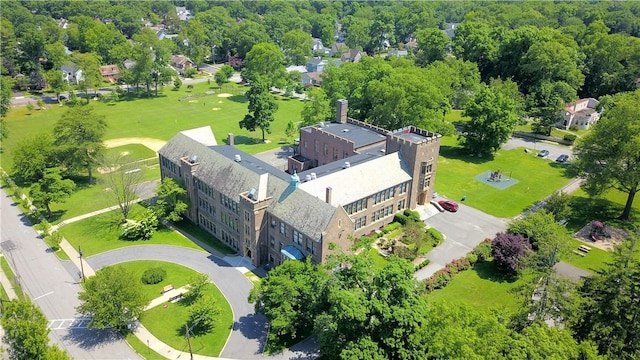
(595, 260)
(163, 117)
(204, 236)
(133, 152)
(167, 324)
(11, 276)
(379, 261)
(606, 208)
(537, 178)
(177, 275)
(482, 287)
(101, 233)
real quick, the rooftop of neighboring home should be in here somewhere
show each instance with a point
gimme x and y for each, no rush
(587, 106)
(107, 70)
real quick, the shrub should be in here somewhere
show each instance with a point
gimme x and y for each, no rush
(153, 275)
(405, 252)
(436, 235)
(401, 218)
(569, 137)
(483, 250)
(188, 73)
(424, 263)
(472, 258)
(389, 228)
(442, 277)
(176, 84)
(140, 229)
(412, 215)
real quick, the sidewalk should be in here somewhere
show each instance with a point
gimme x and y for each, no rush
(6, 284)
(88, 215)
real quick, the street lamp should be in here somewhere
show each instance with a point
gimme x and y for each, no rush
(81, 266)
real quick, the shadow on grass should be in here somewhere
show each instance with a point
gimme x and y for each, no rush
(489, 271)
(586, 209)
(569, 171)
(238, 98)
(244, 140)
(140, 96)
(459, 153)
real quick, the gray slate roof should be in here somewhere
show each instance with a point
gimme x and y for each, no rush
(217, 167)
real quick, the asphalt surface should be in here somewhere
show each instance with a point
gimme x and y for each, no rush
(53, 288)
(464, 230)
(249, 332)
(536, 146)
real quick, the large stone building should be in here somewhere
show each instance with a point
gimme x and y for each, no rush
(347, 179)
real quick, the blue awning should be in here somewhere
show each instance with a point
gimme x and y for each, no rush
(292, 252)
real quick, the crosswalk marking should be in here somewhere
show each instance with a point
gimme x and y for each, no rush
(64, 324)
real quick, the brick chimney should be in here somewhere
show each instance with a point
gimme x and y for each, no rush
(328, 195)
(341, 113)
(230, 139)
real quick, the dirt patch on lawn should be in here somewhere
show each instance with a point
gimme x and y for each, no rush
(225, 95)
(615, 237)
(151, 143)
(215, 109)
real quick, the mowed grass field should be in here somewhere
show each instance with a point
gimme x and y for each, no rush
(162, 117)
(537, 178)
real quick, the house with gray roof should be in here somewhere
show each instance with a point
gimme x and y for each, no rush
(325, 200)
(71, 73)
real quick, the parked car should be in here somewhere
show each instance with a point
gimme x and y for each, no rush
(449, 205)
(563, 158)
(543, 153)
(62, 97)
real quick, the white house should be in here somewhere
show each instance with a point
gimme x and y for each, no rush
(71, 73)
(580, 114)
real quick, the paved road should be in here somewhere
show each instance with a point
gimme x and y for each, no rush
(53, 288)
(464, 230)
(249, 330)
(554, 150)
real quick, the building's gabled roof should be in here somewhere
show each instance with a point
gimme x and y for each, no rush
(218, 168)
(109, 70)
(356, 182)
(203, 135)
(69, 68)
(316, 61)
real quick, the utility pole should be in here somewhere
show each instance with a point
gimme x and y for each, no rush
(81, 266)
(186, 327)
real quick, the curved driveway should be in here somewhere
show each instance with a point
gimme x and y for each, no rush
(249, 330)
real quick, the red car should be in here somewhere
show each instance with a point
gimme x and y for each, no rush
(449, 205)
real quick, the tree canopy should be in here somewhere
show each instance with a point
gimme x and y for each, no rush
(262, 107)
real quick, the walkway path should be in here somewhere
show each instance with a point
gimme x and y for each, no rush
(6, 285)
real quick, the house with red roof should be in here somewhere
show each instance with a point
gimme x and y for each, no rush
(580, 114)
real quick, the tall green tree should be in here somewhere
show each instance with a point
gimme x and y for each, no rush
(5, 96)
(78, 136)
(608, 301)
(609, 155)
(265, 60)
(433, 45)
(111, 299)
(56, 82)
(91, 77)
(51, 188)
(316, 108)
(493, 118)
(297, 46)
(31, 156)
(171, 203)
(26, 333)
(262, 107)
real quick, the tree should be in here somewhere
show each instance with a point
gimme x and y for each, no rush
(262, 107)
(265, 60)
(246, 35)
(316, 108)
(546, 102)
(122, 178)
(51, 188)
(609, 155)
(227, 70)
(493, 119)
(608, 301)
(5, 96)
(198, 287)
(558, 204)
(170, 204)
(297, 46)
(91, 77)
(25, 332)
(112, 299)
(203, 315)
(78, 134)
(31, 156)
(220, 78)
(291, 129)
(508, 250)
(56, 82)
(433, 45)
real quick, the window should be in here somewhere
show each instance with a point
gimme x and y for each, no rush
(297, 238)
(426, 167)
(356, 206)
(272, 241)
(247, 216)
(315, 145)
(305, 144)
(384, 195)
(424, 184)
(361, 222)
(283, 228)
(382, 213)
(402, 188)
(325, 150)
(401, 204)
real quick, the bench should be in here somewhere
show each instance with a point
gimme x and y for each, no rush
(175, 298)
(166, 289)
(579, 253)
(584, 248)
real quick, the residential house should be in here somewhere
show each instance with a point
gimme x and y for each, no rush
(129, 64)
(398, 53)
(71, 73)
(160, 32)
(271, 216)
(63, 23)
(319, 49)
(580, 114)
(638, 83)
(337, 48)
(299, 68)
(110, 72)
(181, 63)
(411, 45)
(316, 65)
(311, 79)
(450, 29)
(183, 13)
(352, 55)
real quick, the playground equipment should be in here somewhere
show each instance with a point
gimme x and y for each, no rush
(498, 176)
(599, 231)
